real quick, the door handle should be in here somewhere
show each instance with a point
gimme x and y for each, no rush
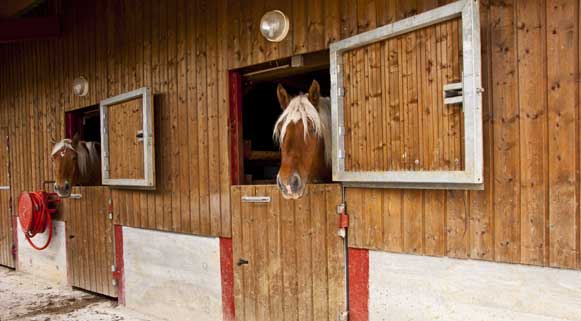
(255, 199)
(242, 262)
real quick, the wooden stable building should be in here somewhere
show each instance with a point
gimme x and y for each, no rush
(493, 176)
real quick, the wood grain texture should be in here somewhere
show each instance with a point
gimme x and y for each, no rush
(295, 267)
(126, 152)
(528, 212)
(90, 240)
(396, 105)
(6, 218)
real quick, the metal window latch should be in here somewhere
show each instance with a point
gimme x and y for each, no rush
(139, 136)
(75, 196)
(453, 93)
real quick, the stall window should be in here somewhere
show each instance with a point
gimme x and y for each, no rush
(127, 140)
(406, 102)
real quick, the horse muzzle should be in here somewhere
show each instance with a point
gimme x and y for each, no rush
(293, 188)
(63, 191)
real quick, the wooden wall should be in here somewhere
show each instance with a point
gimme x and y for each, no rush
(528, 212)
(6, 219)
(529, 209)
(120, 46)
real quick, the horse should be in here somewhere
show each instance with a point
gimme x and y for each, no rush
(303, 132)
(75, 162)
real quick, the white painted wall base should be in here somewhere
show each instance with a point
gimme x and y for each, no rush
(408, 287)
(172, 276)
(49, 264)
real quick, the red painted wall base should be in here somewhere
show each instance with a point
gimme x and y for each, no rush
(227, 276)
(119, 275)
(358, 285)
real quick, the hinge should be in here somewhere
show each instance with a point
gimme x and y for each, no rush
(340, 91)
(340, 154)
(343, 220)
(343, 316)
(110, 209)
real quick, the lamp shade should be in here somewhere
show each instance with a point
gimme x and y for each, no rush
(274, 26)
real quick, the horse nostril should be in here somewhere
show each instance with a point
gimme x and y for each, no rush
(295, 182)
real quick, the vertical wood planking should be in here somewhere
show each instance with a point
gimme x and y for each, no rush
(183, 170)
(506, 128)
(213, 109)
(532, 82)
(201, 63)
(223, 121)
(192, 118)
(289, 257)
(563, 99)
(295, 267)
(303, 230)
(174, 146)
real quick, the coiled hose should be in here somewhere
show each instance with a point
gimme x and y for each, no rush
(34, 214)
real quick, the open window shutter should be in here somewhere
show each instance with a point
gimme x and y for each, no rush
(127, 140)
(406, 102)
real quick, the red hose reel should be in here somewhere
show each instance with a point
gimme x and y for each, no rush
(34, 213)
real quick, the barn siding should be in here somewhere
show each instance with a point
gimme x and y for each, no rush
(528, 212)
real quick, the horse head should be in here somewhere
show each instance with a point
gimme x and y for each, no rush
(65, 165)
(303, 133)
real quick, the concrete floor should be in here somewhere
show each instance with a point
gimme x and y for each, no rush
(25, 297)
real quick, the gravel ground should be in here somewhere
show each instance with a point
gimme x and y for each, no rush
(24, 297)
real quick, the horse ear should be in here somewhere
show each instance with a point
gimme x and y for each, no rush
(315, 93)
(76, 140)
(282, 96)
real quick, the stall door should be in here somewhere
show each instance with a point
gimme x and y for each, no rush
(90, 246)
(6, 219)
(288, 258)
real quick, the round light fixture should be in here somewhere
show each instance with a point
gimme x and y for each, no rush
(80, 86)
(274, 26)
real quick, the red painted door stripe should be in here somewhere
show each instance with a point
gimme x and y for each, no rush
(358, 285)
(120, 264)
(227, 276)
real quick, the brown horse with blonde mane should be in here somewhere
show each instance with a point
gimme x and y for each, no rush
(75, 162)
(303, 132)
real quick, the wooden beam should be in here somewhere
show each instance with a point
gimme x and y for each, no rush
(20, 29)
(9, 8)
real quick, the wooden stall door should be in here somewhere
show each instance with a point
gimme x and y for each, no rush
(394, 111)
(90, 245)
(288, 259)
(6, 219)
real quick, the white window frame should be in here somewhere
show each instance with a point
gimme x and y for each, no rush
(472, 175)
(148, 182)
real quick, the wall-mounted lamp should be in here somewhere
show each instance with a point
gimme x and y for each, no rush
(80, 86)
(274, 26)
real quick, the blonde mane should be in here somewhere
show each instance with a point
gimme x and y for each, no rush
(301, 109)
(87, 154)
